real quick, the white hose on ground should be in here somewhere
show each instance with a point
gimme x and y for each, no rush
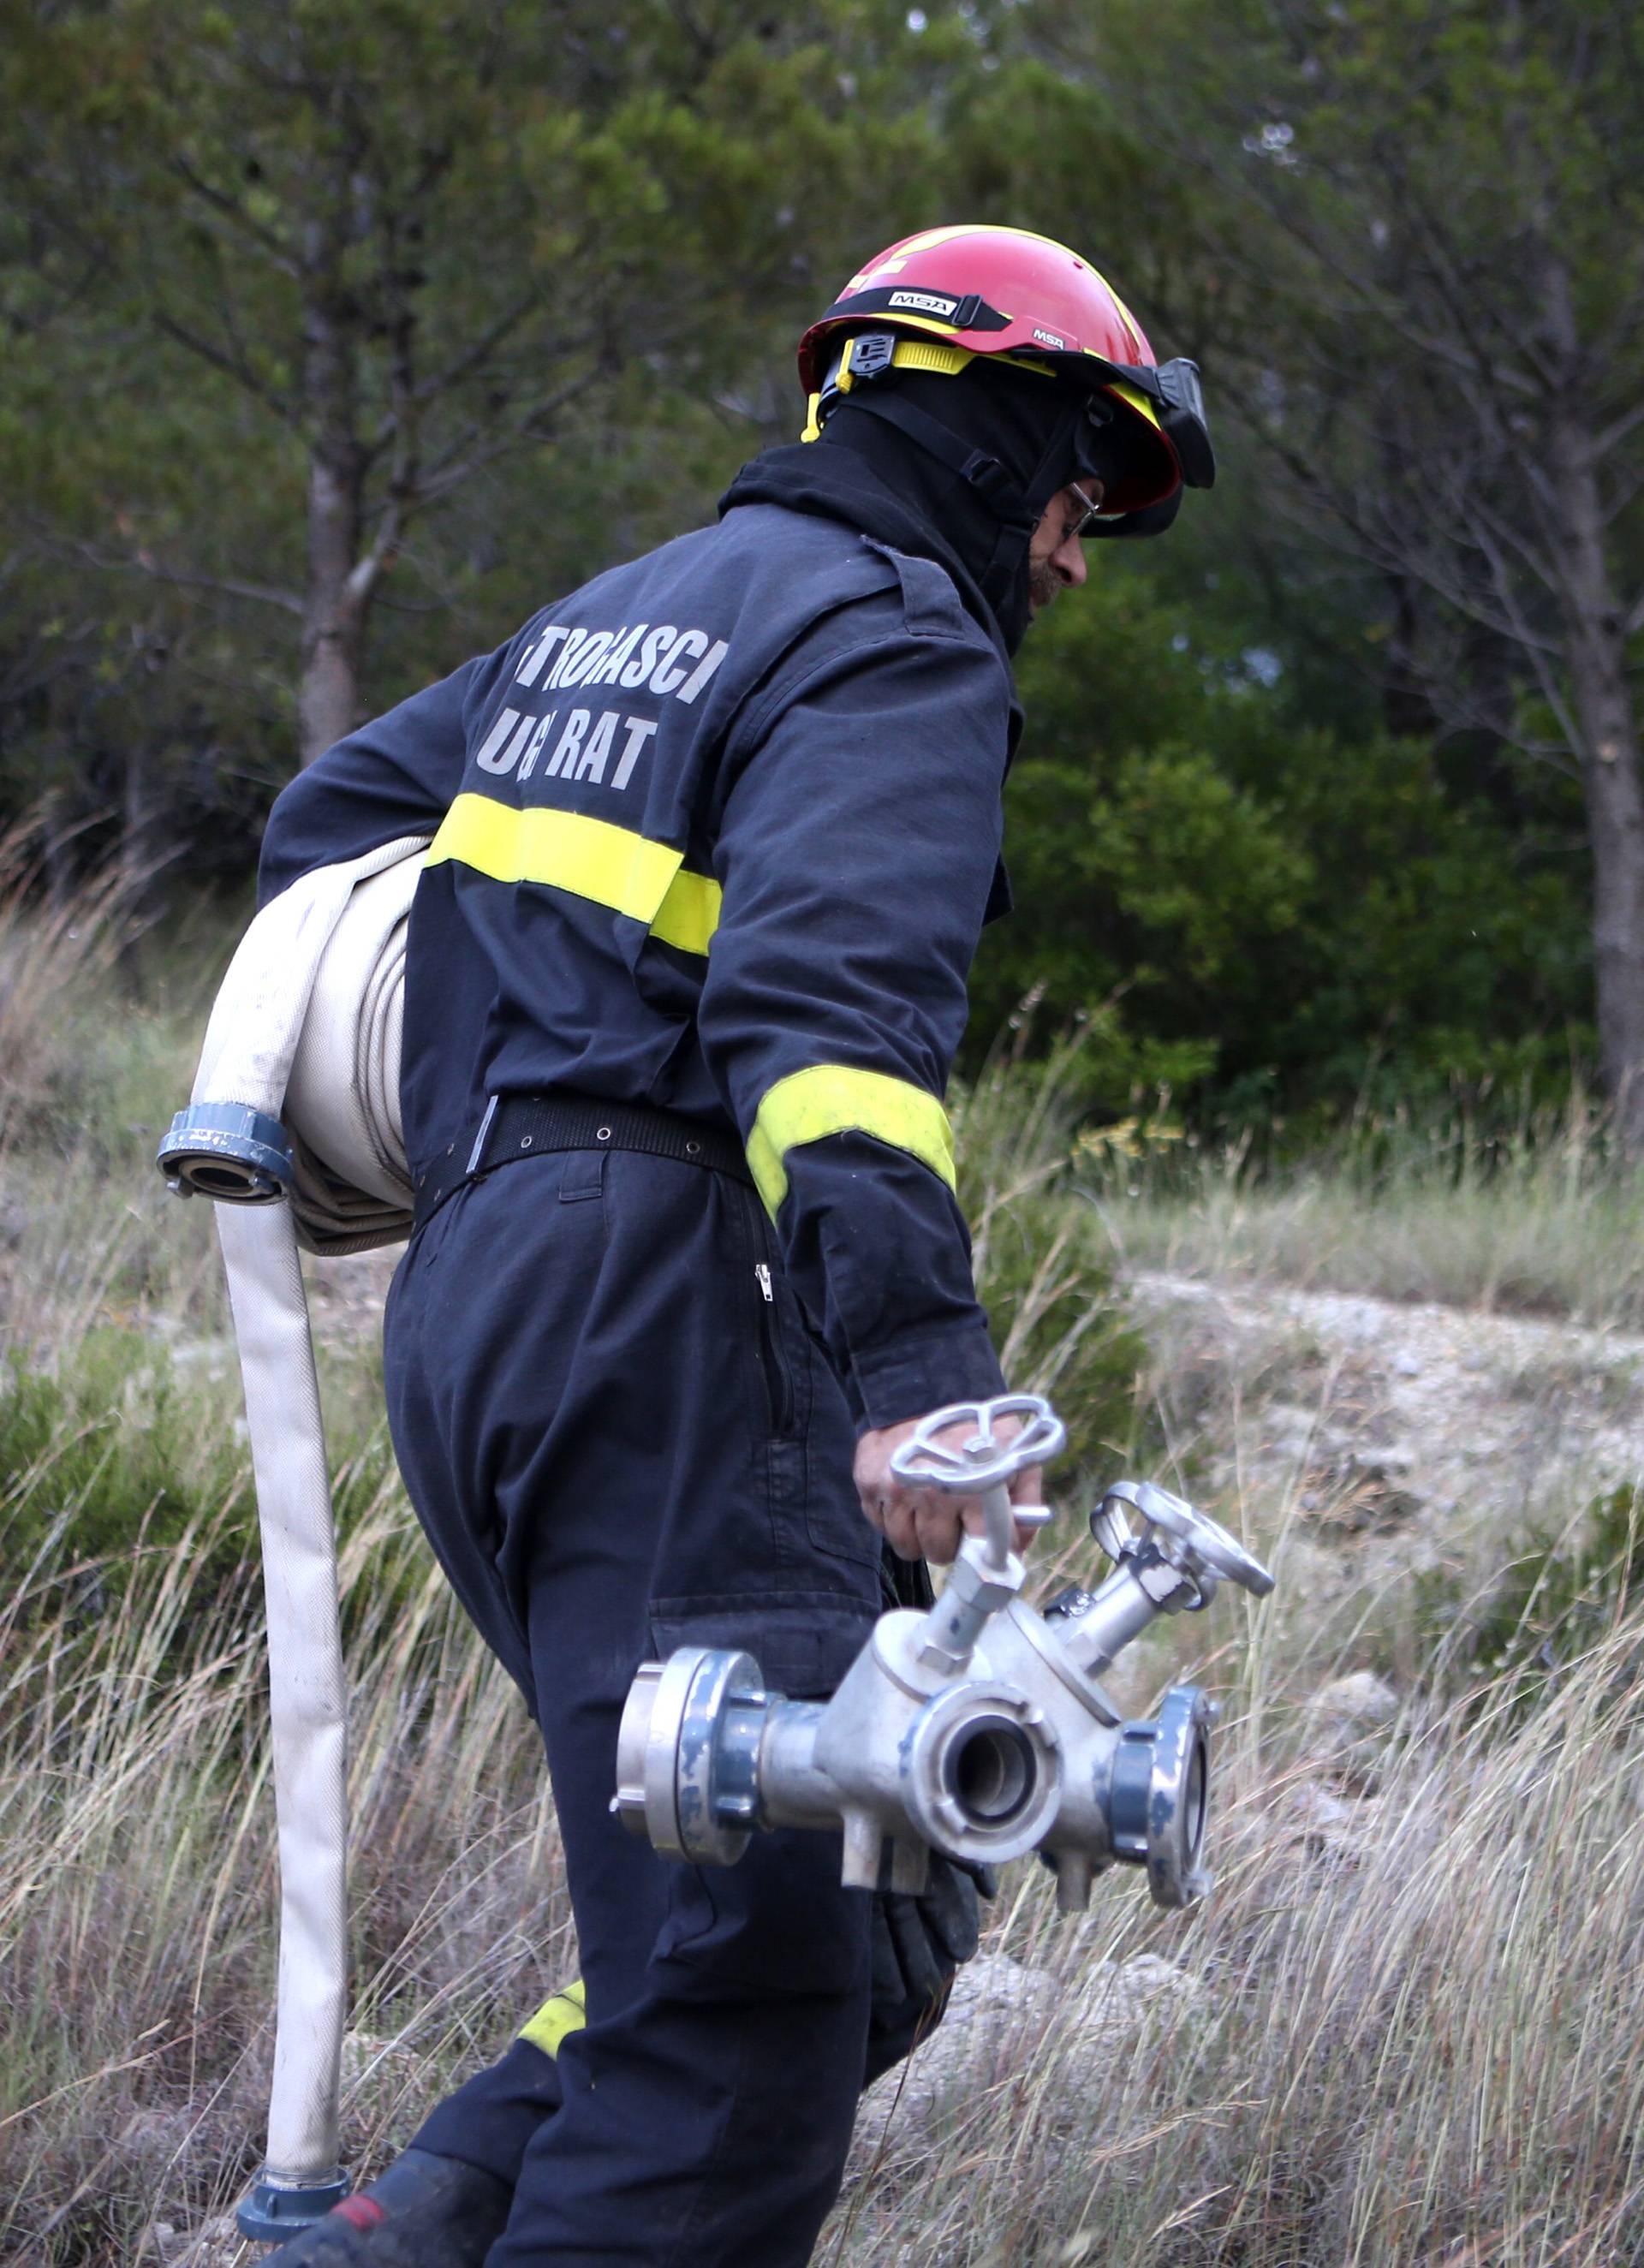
(305, 1028)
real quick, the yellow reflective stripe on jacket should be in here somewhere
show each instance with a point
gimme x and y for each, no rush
(591, 858)
(562, 2013)
(689, 913)
(828, 1099)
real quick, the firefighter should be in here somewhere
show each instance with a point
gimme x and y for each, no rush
(714, 839)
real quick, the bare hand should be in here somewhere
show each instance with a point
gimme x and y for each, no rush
(928, 1523)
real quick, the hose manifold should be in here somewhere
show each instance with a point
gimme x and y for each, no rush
(981, 1772)
(976, 1729)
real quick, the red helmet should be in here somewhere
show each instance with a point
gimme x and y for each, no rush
(950, 293)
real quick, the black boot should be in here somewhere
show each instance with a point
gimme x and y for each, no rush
(424, 2212)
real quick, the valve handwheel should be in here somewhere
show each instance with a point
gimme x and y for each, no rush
(1202, 1546)
(982, 1461)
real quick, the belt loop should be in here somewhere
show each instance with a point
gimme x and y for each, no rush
(478, 1151)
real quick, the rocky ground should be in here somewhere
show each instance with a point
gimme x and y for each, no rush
(1378, 1432)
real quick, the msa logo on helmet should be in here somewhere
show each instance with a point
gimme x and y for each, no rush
(924, 303)
(1048, 339)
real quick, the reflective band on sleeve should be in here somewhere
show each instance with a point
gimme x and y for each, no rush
(689, 913)
(561, 2014)
(589, 858)
(829, 1099)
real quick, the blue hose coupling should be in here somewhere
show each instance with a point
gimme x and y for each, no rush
(227, 1151)
(1158, 1795)
(277, 2210)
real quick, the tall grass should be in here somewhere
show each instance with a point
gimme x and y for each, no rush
(1413, 2038)
(1413, 2044)
(135, 1939)
(1546, 1220)
(99, 1026)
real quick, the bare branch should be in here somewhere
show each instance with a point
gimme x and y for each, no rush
(1613, 435)
(142, 562)
(441, 381)
(233, 365)
(1510, 536)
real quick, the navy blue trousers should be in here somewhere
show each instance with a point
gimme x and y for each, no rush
(616, 1445)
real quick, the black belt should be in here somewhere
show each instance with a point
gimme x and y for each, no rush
(533, 1125)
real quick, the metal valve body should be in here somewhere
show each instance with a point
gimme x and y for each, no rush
(976, 1729)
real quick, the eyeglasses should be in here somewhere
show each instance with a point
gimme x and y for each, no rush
(1079, 524)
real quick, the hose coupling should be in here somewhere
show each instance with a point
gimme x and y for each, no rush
(227, 1151)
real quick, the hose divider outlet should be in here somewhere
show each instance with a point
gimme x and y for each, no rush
(1159, 1796)
(981, 1772)
(227, 1151)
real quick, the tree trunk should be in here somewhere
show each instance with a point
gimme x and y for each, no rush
(334, 611)
(1615, 812)
(334, 618)
(1596, 649)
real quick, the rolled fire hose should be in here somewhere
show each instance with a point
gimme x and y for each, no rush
(297, 1099)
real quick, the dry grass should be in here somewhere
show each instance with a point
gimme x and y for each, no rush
(1545, 1222)
(135, 1940)
(1408, 2035)
(99, 1032)
(1413, 2037)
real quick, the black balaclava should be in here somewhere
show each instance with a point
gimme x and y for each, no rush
(964, 465)
(982, 455)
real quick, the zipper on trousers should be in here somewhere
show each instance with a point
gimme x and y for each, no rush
(772, 1362)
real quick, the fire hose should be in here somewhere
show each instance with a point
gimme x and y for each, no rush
(304, 1036)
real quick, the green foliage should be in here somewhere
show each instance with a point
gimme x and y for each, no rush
(1058, 1316)
(374, 295)
(122, 1445)
(1281, 918)
(562, 256)
(110, 1449)
(1568, 1593)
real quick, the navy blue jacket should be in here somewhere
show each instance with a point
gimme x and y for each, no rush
(718, 832)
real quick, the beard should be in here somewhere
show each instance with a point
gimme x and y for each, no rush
(1044, 583)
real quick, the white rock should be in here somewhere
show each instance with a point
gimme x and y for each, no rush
(1332, 1826)
(1345, 1723)
(1291, 1432)
(1360, 1700)
(216, 2243)
(1315, 1809)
